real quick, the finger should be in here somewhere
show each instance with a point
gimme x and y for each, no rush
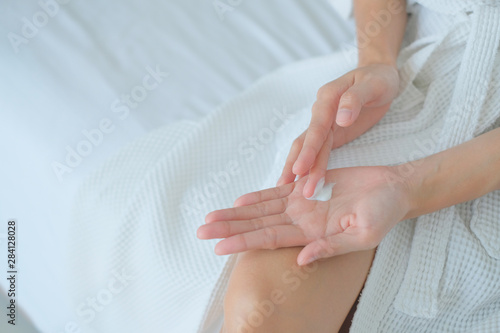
(299, 177)
(323, 115)
(341, 135)
(268, 238)
(287, 176)
(224, 229)
(264, 195)
(352, 100)
(260, 209)
(318, 170)
(329, 246)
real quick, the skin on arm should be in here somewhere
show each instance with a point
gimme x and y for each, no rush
(350, 105)
(383, 48)
(462, 173)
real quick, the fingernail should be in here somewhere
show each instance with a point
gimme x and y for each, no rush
(344, 115)
(304, 262)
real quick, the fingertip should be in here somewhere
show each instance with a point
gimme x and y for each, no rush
(219, 249)
(311, 184)
(286, 179)
(344, 117)
(304, 161)
(307, 192)
(347, 124)
(296, 168)
(237, 202)
(344, 124)
(283, 180)
(200, 233)
(243, 200)
(211, 217)
(300, 167)
(280, 180)
(303, 261)
(305, 256)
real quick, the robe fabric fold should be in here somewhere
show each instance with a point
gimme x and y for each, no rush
(440, 272)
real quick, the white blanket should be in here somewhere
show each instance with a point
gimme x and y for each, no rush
(135, 219)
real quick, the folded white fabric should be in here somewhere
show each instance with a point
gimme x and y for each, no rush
(343, 7)
(139, 213)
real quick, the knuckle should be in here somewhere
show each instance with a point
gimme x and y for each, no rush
(285, 219)
(318, 132)
(349, 97)
(297, 143)
(378, 87)
(259, 195)
(262, 209)
(326, 248)
(283, 204)
(232, 212)
(324, 93)
(271, 238)
(257, 223)
(378, 83)
(332, 249)
(227, 228)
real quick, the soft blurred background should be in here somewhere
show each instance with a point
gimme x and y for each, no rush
(81, 79)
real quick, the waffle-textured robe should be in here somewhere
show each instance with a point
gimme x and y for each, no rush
(440, 272)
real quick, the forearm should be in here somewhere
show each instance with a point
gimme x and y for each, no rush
(380, 27)
(456, 175)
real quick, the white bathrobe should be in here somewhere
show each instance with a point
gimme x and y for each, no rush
(137, 216)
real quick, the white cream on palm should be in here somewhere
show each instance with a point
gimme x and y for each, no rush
(322, 192)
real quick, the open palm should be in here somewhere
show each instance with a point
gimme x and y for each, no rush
(366, 203)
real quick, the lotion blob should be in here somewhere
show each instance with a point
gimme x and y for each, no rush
(322, 192)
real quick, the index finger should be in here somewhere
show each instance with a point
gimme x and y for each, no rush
(260, 209)
(268, 238)
(264, 195)
(324, 112)
(323, 116)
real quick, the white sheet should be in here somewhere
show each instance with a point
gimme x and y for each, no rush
(66, 75)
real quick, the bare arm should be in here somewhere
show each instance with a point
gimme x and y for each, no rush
(380, 27)
(462, 173)
(347, 107)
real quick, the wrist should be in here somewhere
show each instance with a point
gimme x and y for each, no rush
(377, 60)
(414, 185)
(426, 182)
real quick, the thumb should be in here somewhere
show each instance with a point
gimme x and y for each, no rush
(327, 247)
(352, 100)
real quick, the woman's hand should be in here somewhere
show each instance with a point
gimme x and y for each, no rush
(344, 109)
(366, 203)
